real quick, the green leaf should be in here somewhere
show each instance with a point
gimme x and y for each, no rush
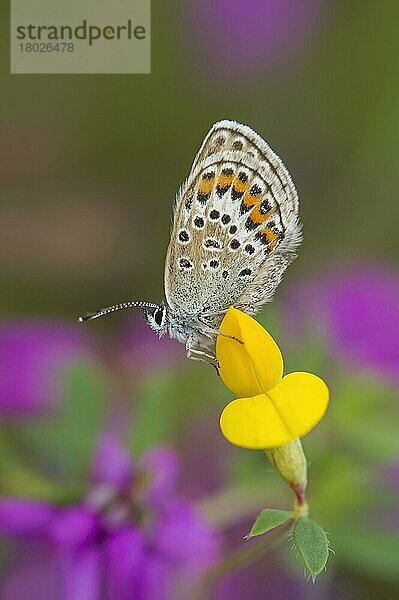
(268, 519)
(312, 545)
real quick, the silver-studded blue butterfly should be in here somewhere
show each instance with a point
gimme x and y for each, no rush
(235, 230)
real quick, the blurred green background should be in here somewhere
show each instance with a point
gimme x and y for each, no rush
(89, 167)
(90, 164)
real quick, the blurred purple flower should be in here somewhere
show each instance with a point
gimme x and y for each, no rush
(131, 537)
(33, 356)
(241, 38)
(358, 311)
(112, 464)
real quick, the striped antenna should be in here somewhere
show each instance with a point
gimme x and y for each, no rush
(114, 308)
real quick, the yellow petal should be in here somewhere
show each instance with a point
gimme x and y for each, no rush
(291, 409)
(250, 368)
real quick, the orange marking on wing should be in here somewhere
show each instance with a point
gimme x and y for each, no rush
(248, 199)
(240, 186)
(224, 180)
(271, 236)
(206, 186)
(257, 216)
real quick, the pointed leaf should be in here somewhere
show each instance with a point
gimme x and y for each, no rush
(311, 544)
(268, 519)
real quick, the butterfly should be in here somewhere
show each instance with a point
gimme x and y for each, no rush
(235, 230)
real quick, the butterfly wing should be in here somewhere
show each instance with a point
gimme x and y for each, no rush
(235, 226)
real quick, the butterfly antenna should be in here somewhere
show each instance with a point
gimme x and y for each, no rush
(110, 309)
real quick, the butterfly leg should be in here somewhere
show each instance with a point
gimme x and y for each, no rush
(201, 356)
(229, 337)
(213, 333)
(210, 331)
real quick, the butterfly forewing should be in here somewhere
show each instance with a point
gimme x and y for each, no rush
(235, 225)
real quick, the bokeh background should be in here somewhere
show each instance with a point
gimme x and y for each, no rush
(89, 166)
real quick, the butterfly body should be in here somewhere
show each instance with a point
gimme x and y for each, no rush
(235, 230)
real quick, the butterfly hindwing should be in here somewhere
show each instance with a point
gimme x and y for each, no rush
(235, 227)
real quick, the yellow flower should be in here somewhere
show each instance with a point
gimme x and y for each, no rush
(272, 410)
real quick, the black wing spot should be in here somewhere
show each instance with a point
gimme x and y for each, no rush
(233, 229)
(244, 273)
(222, 190)
(185, 263)
(214, 263)
(249, 248)
(250, 224)
(235, 195)
(261, 237)
(228, 171)
(237, 145)
(203, 198)
(212, 243)
(225, 274)
(255, 190)
(214, 215)
(234, 244)
(199, 222)
(184, 236)
(244, 208)
(265, 206)
(226, 219)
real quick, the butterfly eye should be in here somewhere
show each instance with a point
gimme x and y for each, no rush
(158, 317)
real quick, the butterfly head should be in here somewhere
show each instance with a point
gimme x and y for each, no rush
(157, 318)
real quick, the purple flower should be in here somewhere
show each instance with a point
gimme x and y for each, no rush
(163, 467)
(112, 464)
(131, 536)
(34, 355)
(241, 38)
(358, 312)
